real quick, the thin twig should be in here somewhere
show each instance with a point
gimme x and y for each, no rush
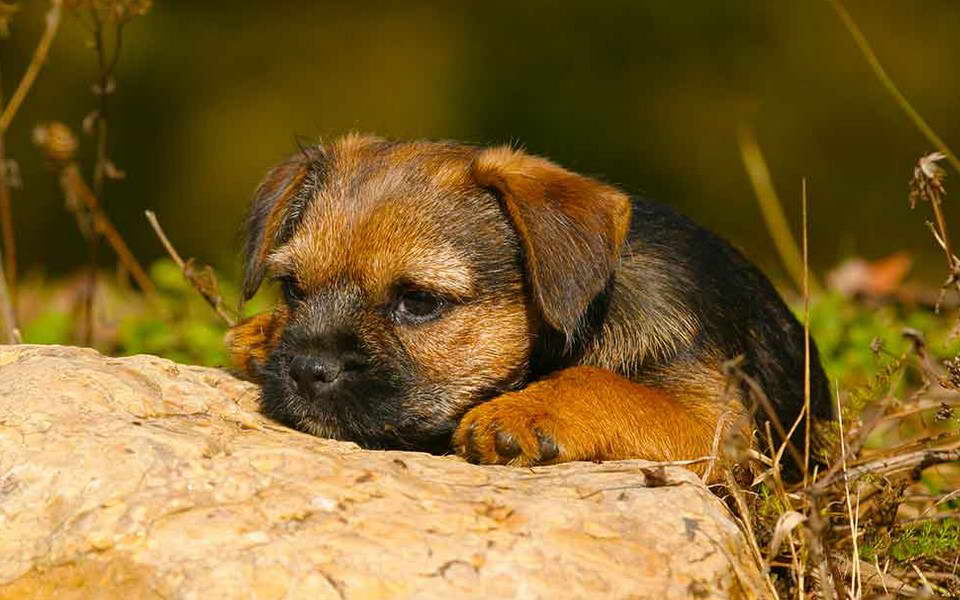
(93, 241)
(855, 561)
(798, 570)
(825, 578)
(806, 336)
(59, 145)
(100, 170)
(73, 183)
(202, 279)
(927, 185)
(6, 221)
(801, 417)
(745, 519)
(854, 445)
(939, 441)
(10, 333)
(36, 63)
(772, 209)
(757, 393)
(718, 432)
(654, 474)
(888, 83)
(715, 445)
(679, 463)
(103, 90)
(921, 459)
(152, 217)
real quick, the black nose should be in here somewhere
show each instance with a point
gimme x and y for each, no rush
(316, 372)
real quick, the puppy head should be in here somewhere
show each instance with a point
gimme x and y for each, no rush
(415, 278)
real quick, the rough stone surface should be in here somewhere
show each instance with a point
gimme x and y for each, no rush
(141, 478)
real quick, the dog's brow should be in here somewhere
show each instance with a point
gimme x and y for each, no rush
(447, 275)
(280, 261)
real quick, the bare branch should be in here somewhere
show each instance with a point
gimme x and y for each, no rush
(36, 63)
(200, 276)
(10, 333)
(918, 460)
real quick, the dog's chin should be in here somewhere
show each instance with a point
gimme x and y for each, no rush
(374, 413)
(280, 400)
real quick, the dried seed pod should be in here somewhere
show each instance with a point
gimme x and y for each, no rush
(927, 182)
(952, 380)
(56, 141)
(944, 413)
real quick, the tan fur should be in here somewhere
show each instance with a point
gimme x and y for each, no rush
(571, 229)
(373, 250)
(590, 414)
(251, 341)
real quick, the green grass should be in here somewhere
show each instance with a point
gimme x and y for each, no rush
(178, 324)
(847, 332)
(931, 539)
(934, 539)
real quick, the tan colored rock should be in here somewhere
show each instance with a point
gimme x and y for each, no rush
(140, 478)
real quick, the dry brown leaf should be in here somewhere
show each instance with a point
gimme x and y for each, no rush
(787, 522)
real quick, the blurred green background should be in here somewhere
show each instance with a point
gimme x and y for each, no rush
(645, 94)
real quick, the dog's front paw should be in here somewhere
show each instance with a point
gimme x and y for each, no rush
(250, 342)
(517, 429)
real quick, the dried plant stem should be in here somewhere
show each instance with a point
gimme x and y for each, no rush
(6, 222)
(919, 459)
(6, 219)
(772, 209)
(927, 185)
(891, 87)
(722, 428)
(745, 519)
(778, 456)
(10, 333)
(798, 569)
(757, 394)
(60, 146)
(36, 63)
(855, 591)
(941, 233)
(715, 446)
(90, 286)
(825, 578)
(76, 188)
(204, 286)
(152, 218)
(103, 89)
(806, 337)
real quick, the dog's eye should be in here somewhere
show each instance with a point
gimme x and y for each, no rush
(292, 292)
(418, 307)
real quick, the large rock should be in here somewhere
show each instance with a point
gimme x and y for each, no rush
(140, 478)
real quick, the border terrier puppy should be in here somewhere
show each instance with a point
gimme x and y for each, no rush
(440, 296)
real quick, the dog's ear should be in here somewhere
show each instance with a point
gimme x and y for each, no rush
(275, 211)
(571, 229)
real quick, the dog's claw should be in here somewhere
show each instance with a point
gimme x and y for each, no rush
(468, 447)
(549, 449)
(510, 430)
